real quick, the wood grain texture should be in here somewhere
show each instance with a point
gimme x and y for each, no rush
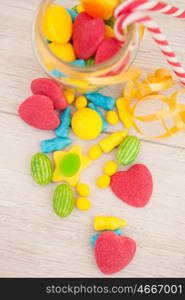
(34, 242)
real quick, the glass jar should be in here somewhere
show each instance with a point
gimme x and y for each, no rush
(115, 70)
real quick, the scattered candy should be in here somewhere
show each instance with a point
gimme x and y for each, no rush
(134, 186)
(110, 168)
(49, 88)
(83, 203)
(57, 24)
(112, 141)
(104, 122)
(41, 169)
(113, 253)
(86, 124)
(128, 150)
(108, 223)
(63, 200)
(81, 102)
(88, 33)
(124, 115)
(94, 152)
(94, 237)
(64, 127)
(57, 143)
(63, 51)
(100, 9)
(102, 101)
(69, 165)
(69, 95)
(38, 112)
(82, 189)
(103, 181)
(112, 117)
(107, 49)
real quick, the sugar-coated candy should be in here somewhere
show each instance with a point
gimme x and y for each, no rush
(88, 33)
(124, 115)
(94, 152)
(65, 122)
(81, 102)
(38, 112)
(104, 122)
(69, 94)
(113, 252)
(133, 186)
(57, 24)
(110, 168)
(63, 51)
(112, 141)
(94, 237)
(109, 32)
(72, 13)
(51, 89)
(112, 117)
(41, 169)
(63, 200)
(103, 181)
(108, 223)
(105, 102)
(107, 49)
(128, 150)
(100, 9)
(58, 143)
(83, 203)
(82, 189)
(86, 123)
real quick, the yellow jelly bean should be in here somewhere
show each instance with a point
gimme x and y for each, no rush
(103, 181)
(65, 52)
(83, 203)
(112, 117)
(100, 9)
(69, 95)
(94, 152)
(109, 32)
(57, 24)
(81, 102)
(124, 115)
(110, 168)
(112, 141)
(108, 223)
(83, 189)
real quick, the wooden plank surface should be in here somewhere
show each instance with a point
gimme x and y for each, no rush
(33, 240)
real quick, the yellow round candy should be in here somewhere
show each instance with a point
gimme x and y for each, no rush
(103, 181)
(112, 117)
(81, 102)
(94, 152)
(83, 189)
(69, 95)
(100, 9)
(109, 32)
(86, 124)
(83, 203)
(65, 52)
(57, 24)
(110, 168)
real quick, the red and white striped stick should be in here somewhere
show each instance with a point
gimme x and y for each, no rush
(132, 11)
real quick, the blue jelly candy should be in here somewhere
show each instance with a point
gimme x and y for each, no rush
(64, 127)
(57, 73)
(94, 237)
(104, 122)
(54, 144)
(105, 102)
(78, 63)
(72, 13)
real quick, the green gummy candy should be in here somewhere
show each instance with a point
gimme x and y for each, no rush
(89, 62)
(110, 22)
(41, 169)
(128, 150)
(70, 164)
(63, 200)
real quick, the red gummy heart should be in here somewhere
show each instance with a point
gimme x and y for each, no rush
(113, 252)
(49, 88)
(134, 186)
(37, 111)
(107, 49)
(88, 33)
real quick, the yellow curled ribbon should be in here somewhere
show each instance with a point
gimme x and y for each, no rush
(146, 90)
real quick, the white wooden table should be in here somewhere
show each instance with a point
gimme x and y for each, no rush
(33, 240)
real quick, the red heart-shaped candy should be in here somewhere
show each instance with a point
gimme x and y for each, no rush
(134, 186)
(113, 252)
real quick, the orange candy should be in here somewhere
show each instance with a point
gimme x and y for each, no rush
(100, 9)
